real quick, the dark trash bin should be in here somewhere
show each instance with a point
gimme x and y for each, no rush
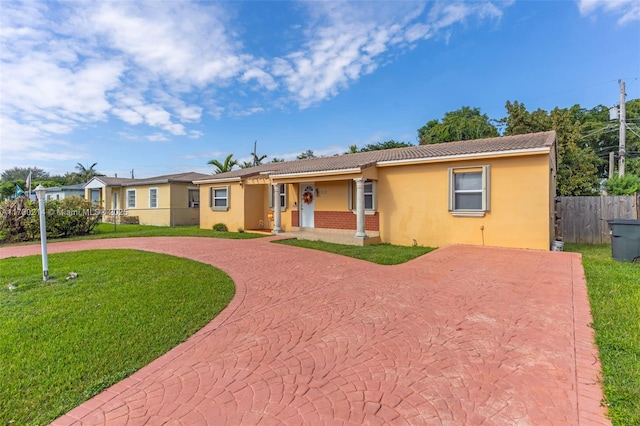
(625, 239)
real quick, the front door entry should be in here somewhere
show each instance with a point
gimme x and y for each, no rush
(307, 204)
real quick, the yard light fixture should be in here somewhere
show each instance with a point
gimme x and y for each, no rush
(40, 193)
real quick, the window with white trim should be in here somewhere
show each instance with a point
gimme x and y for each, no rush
(131, 198)
(194, 198)
(153, 198)
(283, 197)
(370, 195)
(469, 190)
(220, 198)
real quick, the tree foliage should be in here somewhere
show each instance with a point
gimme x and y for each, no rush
(623, 185)
(390, 144)
(225, 166)
(21, 173)
(86, 173)
(307, 154)
(577, 169)
(463, 124)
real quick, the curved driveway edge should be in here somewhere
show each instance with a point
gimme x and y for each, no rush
(463, 335)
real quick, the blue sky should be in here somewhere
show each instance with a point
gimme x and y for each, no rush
(164, 87)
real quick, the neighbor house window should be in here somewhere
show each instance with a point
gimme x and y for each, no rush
(370, 200)
(220, 198)
(194, 198)
(131, 198)
(469, 190)
(283, 197)
(153, 198)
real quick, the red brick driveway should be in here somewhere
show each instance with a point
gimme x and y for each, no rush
(462, 336)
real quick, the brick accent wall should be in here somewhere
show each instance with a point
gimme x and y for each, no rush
(295, 218)
(345, 220)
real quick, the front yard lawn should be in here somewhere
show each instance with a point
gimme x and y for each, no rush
(614, 294)
(64, 341)
(383, 254)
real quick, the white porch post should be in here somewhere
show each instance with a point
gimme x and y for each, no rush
(360, 233)
(277, 222)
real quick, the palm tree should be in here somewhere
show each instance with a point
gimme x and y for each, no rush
(352, 149)
(307, 154)
(226, 166)
(257, 160)
(85, 174)
(277, 160)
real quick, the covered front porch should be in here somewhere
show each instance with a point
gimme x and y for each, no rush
(336, 236)
(338, 207)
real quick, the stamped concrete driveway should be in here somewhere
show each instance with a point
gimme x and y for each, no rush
(464, 335)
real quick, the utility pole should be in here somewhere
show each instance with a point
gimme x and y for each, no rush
(623, 129)
(255, 154)
(612, 163)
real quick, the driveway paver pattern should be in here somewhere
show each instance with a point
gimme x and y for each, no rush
(461, 336)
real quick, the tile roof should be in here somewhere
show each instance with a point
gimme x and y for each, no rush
(363, 160)
(187, 177)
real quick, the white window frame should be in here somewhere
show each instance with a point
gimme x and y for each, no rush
(135, 198)
(213, 198)
(484, 190)
(283, 197)
(156, 198)
(351, 191)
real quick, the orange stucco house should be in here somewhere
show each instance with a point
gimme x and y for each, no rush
(496, 192)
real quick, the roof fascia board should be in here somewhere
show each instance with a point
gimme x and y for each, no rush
(510, 153)
(316, 173)
(223, 180)
(147, 182)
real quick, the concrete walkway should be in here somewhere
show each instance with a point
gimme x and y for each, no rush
(462, 336)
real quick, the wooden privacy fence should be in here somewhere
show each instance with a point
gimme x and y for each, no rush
(584, 219)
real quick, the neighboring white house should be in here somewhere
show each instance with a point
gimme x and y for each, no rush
(61, 192)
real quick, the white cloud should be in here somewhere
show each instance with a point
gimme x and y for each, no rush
(627, 10)
(157, 137)
(346, 41)
(180, 42)
(24, 144)
(264, 79)
(69, 65)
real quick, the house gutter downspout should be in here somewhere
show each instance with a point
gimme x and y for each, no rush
(360, 228)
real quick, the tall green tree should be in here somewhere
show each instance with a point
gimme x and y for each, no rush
(520, 121)
(390, 144)
(21, 173)
(577, 162)
(307, 154)
(352, 149)
(577, 169)
(225, 166)
(463, 124)
(85, 174)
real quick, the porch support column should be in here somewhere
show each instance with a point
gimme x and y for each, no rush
(277, 222)
(360, 233)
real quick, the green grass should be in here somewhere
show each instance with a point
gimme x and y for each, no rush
(63, 341)
(382, 254)
(106, 230)
(614, 294)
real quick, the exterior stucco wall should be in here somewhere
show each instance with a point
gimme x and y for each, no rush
(413, 205)
(332, 196)
(233, 217)
(255, 198)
